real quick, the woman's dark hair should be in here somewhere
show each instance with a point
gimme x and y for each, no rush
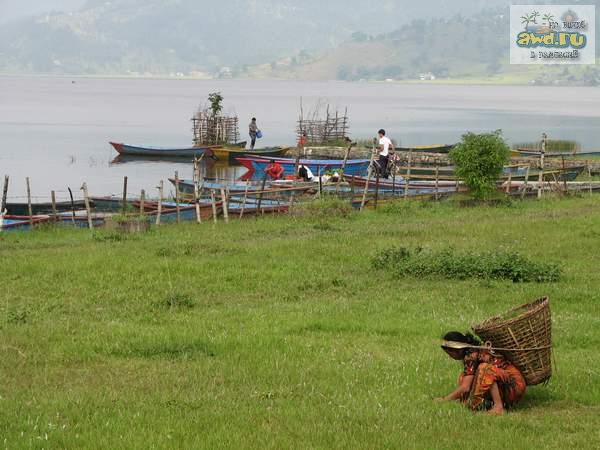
(382, 131)
(457, 336)
(254, 119)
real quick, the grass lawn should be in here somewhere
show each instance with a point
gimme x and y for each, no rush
(277, 333)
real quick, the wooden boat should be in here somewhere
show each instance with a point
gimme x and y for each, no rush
(22, 209)
(230, 154)
(125, 149)
(399, 184)
(252, 189)
(256, 166)
(14, 222)
(436, 148)
(536, 153)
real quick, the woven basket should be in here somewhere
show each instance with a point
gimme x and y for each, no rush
(526, 327)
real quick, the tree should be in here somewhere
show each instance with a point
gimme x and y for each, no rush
(526, 20)
(215, 100)
(479, 160)
(549, 17)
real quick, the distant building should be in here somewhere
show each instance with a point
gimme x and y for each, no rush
(427, 76)
(225, 72)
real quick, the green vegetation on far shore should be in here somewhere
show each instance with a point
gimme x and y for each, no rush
(278, 333)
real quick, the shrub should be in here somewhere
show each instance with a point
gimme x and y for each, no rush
(499, 265)
(479, 160)
(324, 208)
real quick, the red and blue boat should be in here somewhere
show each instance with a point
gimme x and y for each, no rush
(257, 165)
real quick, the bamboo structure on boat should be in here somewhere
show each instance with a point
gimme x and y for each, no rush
(318, 130)
(211, 129)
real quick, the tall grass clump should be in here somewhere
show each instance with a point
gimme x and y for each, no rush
(497, 265)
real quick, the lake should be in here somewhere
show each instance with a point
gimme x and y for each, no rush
(56, 130)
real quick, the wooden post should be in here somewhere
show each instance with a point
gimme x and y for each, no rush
(124, 195)
(508, 183)
(376, 189)
(246, 199)
(88, 210)
(72, 205)
(160, 197)
(262, 190)
(564, 174)
(369, 173)
(541, 175)
(526, 183)
(197, 200)
(437, 182)
(320, 182)
(4, 194)
(54, 210)
(406, 184)
(29, 208)
(142, 202)
(225, 206)
(177, 208)
(214, 205)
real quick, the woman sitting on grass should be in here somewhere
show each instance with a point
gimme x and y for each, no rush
(488, 381)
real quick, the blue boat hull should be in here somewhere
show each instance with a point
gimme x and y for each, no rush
(256, 167)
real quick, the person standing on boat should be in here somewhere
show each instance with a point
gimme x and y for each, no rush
(385, 144)
(253, 131)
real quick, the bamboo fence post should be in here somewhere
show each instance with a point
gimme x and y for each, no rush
(4, 194)
(177, 208)
(541, 174)
(88, 210)
(197, 200)
(437, 182)
(369, 173)
(225, 206)
(72, 205)
(142, 202)
(376, 189)
(564, 174)
(214, 205)
(160, 197)
(54, 210)
(408, 169)
(245, 199)
(29, 208)
(344, 163)
(124, 195)
(526, 181)
(320, 183)
(262, 190)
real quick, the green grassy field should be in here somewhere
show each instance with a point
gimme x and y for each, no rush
(277, 333)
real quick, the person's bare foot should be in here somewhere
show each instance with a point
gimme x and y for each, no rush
(496, 411)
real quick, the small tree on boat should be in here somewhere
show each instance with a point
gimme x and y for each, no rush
(211, 127)
(479, 160)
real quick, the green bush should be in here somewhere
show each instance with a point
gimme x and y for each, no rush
(479, 160)
(324, 208)
(499, 265)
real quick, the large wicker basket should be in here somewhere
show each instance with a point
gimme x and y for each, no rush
(524, 335)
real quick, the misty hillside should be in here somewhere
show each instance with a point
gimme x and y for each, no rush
(184, 36)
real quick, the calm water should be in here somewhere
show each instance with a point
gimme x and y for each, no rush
(56, 131)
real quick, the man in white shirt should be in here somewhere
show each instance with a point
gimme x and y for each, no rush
(385, 144)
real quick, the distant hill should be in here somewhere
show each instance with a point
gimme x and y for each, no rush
(197, 36)
(455, 47)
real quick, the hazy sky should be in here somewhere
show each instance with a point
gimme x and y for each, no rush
(13, 9)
